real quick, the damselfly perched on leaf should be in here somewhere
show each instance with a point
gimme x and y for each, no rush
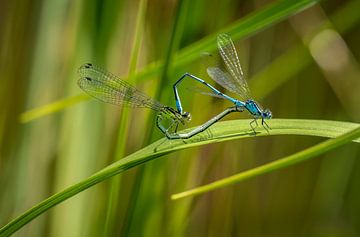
(109, 88)
(232, 80)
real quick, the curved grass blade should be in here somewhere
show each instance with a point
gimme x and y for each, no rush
(222, 131)
(296, 158)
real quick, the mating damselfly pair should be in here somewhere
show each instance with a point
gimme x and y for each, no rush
(109, 88)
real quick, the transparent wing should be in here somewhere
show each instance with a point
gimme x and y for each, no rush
(216, 70)
(223, 78)
(204, 92)
(228, 53)
(109, 88)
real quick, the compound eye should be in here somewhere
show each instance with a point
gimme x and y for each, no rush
(187, 115)
(268, 114)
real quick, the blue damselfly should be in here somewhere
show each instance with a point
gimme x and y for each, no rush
(233, 80)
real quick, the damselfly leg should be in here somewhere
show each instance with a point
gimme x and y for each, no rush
(253, 127)
(263, 122)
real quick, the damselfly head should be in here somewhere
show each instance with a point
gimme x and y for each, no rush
(267, 114)
(186, 116)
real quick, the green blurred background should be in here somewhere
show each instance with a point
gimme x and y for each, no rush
(305, 66)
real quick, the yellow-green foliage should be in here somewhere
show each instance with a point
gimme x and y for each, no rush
(301, 61)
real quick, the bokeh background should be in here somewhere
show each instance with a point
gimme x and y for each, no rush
(305, 66)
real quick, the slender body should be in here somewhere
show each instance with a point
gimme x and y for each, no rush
(109, 88)
(233, 80)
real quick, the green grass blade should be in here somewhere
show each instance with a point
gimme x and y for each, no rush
(301, 156)
(246, 27)
(150, 216)
(113, 196)
(51, 108)
(222, 131)
(240, 29)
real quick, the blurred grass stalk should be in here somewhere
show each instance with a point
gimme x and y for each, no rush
(35, 153)
(329, 50)
(147, 204)
(239, 29)
(76, 145)
(111, 223)
(325, 41)
(298, 57)
(79, 148)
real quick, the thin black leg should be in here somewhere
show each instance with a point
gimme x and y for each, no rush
(176, 127)
(266, 125)
(252, 127)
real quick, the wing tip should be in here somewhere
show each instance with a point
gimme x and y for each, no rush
(223, 39)
(85, 67)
